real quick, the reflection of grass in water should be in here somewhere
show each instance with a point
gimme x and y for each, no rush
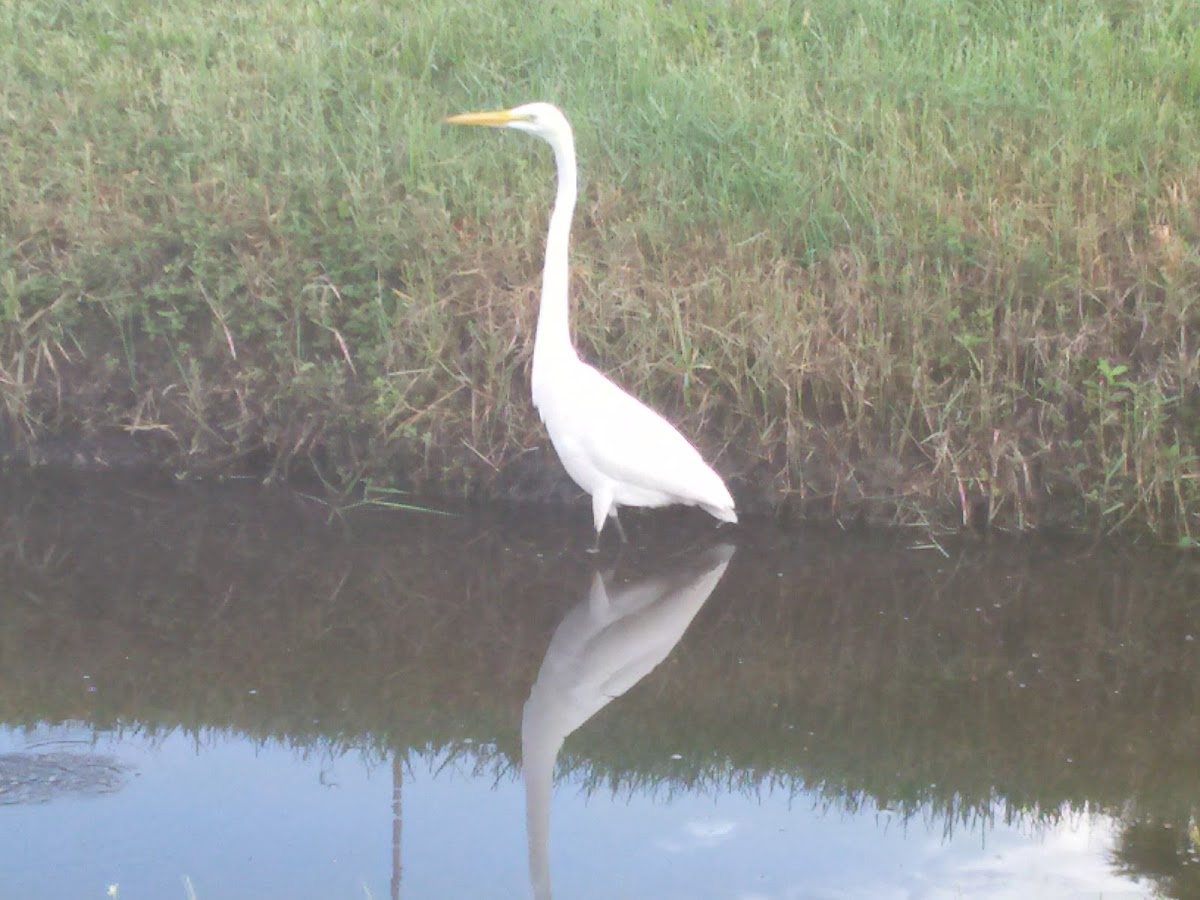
(927, 804)
(1164, 854)
(864, 674)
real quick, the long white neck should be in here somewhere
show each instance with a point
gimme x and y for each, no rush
(553, 341)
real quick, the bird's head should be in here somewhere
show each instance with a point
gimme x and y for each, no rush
(542, 119)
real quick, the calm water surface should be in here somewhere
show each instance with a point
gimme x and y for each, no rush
(220, 692)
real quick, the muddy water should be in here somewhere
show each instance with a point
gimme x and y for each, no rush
(217, 691)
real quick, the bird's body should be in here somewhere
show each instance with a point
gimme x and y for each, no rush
(612, 445)
(640, 461)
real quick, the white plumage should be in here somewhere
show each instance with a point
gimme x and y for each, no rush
(612, 445)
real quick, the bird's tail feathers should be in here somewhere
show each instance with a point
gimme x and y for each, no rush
(724, 513)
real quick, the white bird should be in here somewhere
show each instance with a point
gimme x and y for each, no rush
(612, 445)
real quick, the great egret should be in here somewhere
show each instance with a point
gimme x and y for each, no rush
(612, 445)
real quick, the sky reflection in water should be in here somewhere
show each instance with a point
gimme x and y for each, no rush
(241, 821)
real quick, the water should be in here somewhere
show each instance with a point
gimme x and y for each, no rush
(216, 691)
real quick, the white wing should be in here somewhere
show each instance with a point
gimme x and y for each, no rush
(630, 444)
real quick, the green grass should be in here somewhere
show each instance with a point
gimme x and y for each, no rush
(922, 262)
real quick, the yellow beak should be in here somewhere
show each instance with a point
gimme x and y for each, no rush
(497, 119)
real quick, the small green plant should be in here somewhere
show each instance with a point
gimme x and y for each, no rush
(1111, 375)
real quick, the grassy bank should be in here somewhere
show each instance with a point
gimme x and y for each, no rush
(933, 261)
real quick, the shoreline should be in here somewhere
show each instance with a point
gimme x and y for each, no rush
(534, 479)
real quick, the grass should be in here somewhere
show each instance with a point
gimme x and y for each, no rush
(927, 263)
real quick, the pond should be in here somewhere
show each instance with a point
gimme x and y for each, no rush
(228, 691)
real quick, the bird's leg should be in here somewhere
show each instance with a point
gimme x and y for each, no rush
(601, 509)
(620, 528)
(595, 548)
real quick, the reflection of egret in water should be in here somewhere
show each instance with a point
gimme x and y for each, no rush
(397, 820)
(607, 643)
